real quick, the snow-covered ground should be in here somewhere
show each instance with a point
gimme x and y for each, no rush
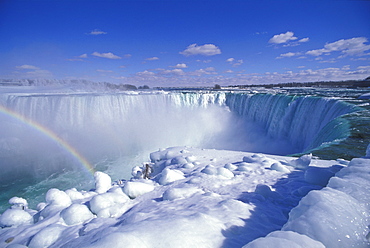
(205, 198)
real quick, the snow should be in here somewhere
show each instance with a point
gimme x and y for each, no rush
(76, 214)
(205, 198)
(135, 189)
(103, 182)
(15, 217)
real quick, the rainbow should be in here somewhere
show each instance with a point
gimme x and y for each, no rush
(51, 135)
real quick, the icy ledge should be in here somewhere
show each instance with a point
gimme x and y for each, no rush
(205, 198)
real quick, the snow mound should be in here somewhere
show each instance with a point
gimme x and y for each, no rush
(338, 215)
(195, 230)
(109, 204)
(18, 202)
(58, 197)
(180, 193)
(76, 214)
(303, 162)
(46, 236)
(103, 182)
(170, 176)
(135, 189)
(15, 217)
(279, 167)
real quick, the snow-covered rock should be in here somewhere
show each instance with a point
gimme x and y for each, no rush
(103, 182)
(169, 176)
(135, 189)
(108, 204)
(177, 193)
(18, 202)
(57, 197)
(15, 217)
(76, 214)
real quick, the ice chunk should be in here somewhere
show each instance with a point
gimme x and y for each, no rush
(105, 201)
(74, 194)
(368, 151)
(46, 237)
(57, 197)
(169, 176)
(303, 162)
(103, 182)
(15, 217)
(18, 202)
(76, 214)
(231, 166)
(191, 159)
(209, 170)
(178, 160)
(135, 189)
(255, 158)
(279, 167)
(176, 193)
(225, 172)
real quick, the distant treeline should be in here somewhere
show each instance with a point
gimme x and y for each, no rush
(324, 84)
(72, 82)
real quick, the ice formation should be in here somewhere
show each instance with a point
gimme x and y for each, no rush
(205, 198)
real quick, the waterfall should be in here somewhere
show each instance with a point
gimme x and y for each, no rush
(112, 125)
(306, 122)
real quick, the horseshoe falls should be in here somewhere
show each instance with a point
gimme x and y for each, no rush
(116, 131)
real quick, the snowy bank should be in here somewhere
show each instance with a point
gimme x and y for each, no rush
(205, 198)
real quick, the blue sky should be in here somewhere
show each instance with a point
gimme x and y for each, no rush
(185, 43)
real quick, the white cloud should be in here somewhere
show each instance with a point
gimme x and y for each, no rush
(180, 66)
(79, 58)
(288, 55)
(145, 73)
(106, 55)
(31, 71)
(234, 62)
(104, 71)
(206, 50)
(97, 32)
(175, 72)
(204, 61)
(351, 47)
(304, 40)
(27, 67)
(152, 58)
(282, 38)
